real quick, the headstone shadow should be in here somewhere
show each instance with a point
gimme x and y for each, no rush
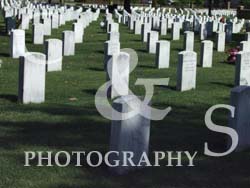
(9, 97)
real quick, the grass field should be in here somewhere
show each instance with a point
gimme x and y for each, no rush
(75, 125)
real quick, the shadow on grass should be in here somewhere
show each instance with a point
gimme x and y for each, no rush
(142, 50)
(11, 98)
(100, 52)
(96, 69)
(223, 84)
(226, 62)
(85, 131)
(5, 54)
(90, 91)
(147, 66)
(166, 87)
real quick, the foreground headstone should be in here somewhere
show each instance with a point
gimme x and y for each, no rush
(68, 43)
(54, 54)
(206, 53)
(189, 41)
(162, 54)
(186, 72)
(221, 39)
(129, 134)
(242, 72)
(240, 97)
(153, 37)
(118, 71)
(32, 78)
(17, 42)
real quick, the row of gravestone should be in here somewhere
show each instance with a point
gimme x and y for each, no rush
(162, 50)
(33, 66)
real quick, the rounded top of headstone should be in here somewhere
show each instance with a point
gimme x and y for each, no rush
(163, 41)
(53, 40)
(68, 31)
(206, 41)
(187, 53)
(18, 31)
(35, 57)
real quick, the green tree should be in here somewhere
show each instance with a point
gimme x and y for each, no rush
(127, 6)
(154, 3)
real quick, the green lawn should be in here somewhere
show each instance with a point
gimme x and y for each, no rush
(64, 124)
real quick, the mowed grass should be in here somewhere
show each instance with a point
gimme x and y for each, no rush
(75, 125)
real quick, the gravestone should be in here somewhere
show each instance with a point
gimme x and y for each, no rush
(53, 53)
(137, 27)
(206, 59)
(17, 43)
(220, 44)
(240, 99)
(153, 37)
(47, 26)
(118, 72)
(189, 41)
(186, 71)
(215, 25)
(242, 69)
(114, 36)
(110, 48)
(162, 54)
(38, 34)
(245, 46)
(68, 43)
(146, 28)
(31, 87)
(129, 134)
(55, 21)
(203, 31)
(163, 27)
(175, 34)
(113, 27)
(78, 31)
(25, 22)
(36, 17)
(61, 19)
